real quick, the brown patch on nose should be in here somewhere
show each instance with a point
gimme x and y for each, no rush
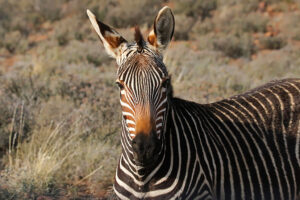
(144, 119)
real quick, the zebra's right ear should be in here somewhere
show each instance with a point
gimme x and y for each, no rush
(163, 29)
(110, 38)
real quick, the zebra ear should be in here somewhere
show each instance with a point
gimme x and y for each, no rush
(163, 29)
(110, 38)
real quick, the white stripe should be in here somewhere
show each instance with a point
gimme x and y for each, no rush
(128, 114)
(126, 105)
(161, 103)
(121, 196)
(128, 121)
(297, 149)
(124, 144)
(162, 110)
(132, 135)
(158, 125)
(202, 195)
(159, 118)
(131, 129)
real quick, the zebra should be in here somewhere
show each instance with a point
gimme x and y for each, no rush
(243, 147)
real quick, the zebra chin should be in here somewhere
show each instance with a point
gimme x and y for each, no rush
(146, 149)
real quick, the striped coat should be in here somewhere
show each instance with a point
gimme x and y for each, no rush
(244, 147)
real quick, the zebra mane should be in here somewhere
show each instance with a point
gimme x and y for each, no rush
(138, 37)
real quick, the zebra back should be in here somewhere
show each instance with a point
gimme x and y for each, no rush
(247, 145)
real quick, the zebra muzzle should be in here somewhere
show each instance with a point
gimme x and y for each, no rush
(145, 148)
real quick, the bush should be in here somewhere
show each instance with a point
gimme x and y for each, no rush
(275, 42)
(245, 5)
(184, 25)
(131, 13)
(253, 22)
(235, 46)
(14, 42)
(48, 9)
(71, 28)
(198, 10)
(201, 28)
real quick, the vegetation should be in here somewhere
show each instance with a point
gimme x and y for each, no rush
(60, 122)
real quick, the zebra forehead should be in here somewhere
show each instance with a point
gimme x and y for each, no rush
(142, 68)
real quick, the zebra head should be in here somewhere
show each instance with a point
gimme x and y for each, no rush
(144, 83)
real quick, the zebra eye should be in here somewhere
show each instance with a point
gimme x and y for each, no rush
(120, 85)
(165, 83)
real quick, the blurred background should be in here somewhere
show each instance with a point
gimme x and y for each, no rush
(59, 106)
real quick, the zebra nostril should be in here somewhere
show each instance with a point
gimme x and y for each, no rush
(145, 147)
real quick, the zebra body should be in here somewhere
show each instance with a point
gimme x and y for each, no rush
(244, 147)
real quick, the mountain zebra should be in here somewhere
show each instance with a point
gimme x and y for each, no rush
(244, 147)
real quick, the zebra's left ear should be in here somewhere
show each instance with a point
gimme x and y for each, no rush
(163, 29)
(110, 38)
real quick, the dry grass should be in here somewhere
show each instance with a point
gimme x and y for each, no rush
(56, 160)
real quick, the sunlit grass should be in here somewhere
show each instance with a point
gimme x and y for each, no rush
(55, 156)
